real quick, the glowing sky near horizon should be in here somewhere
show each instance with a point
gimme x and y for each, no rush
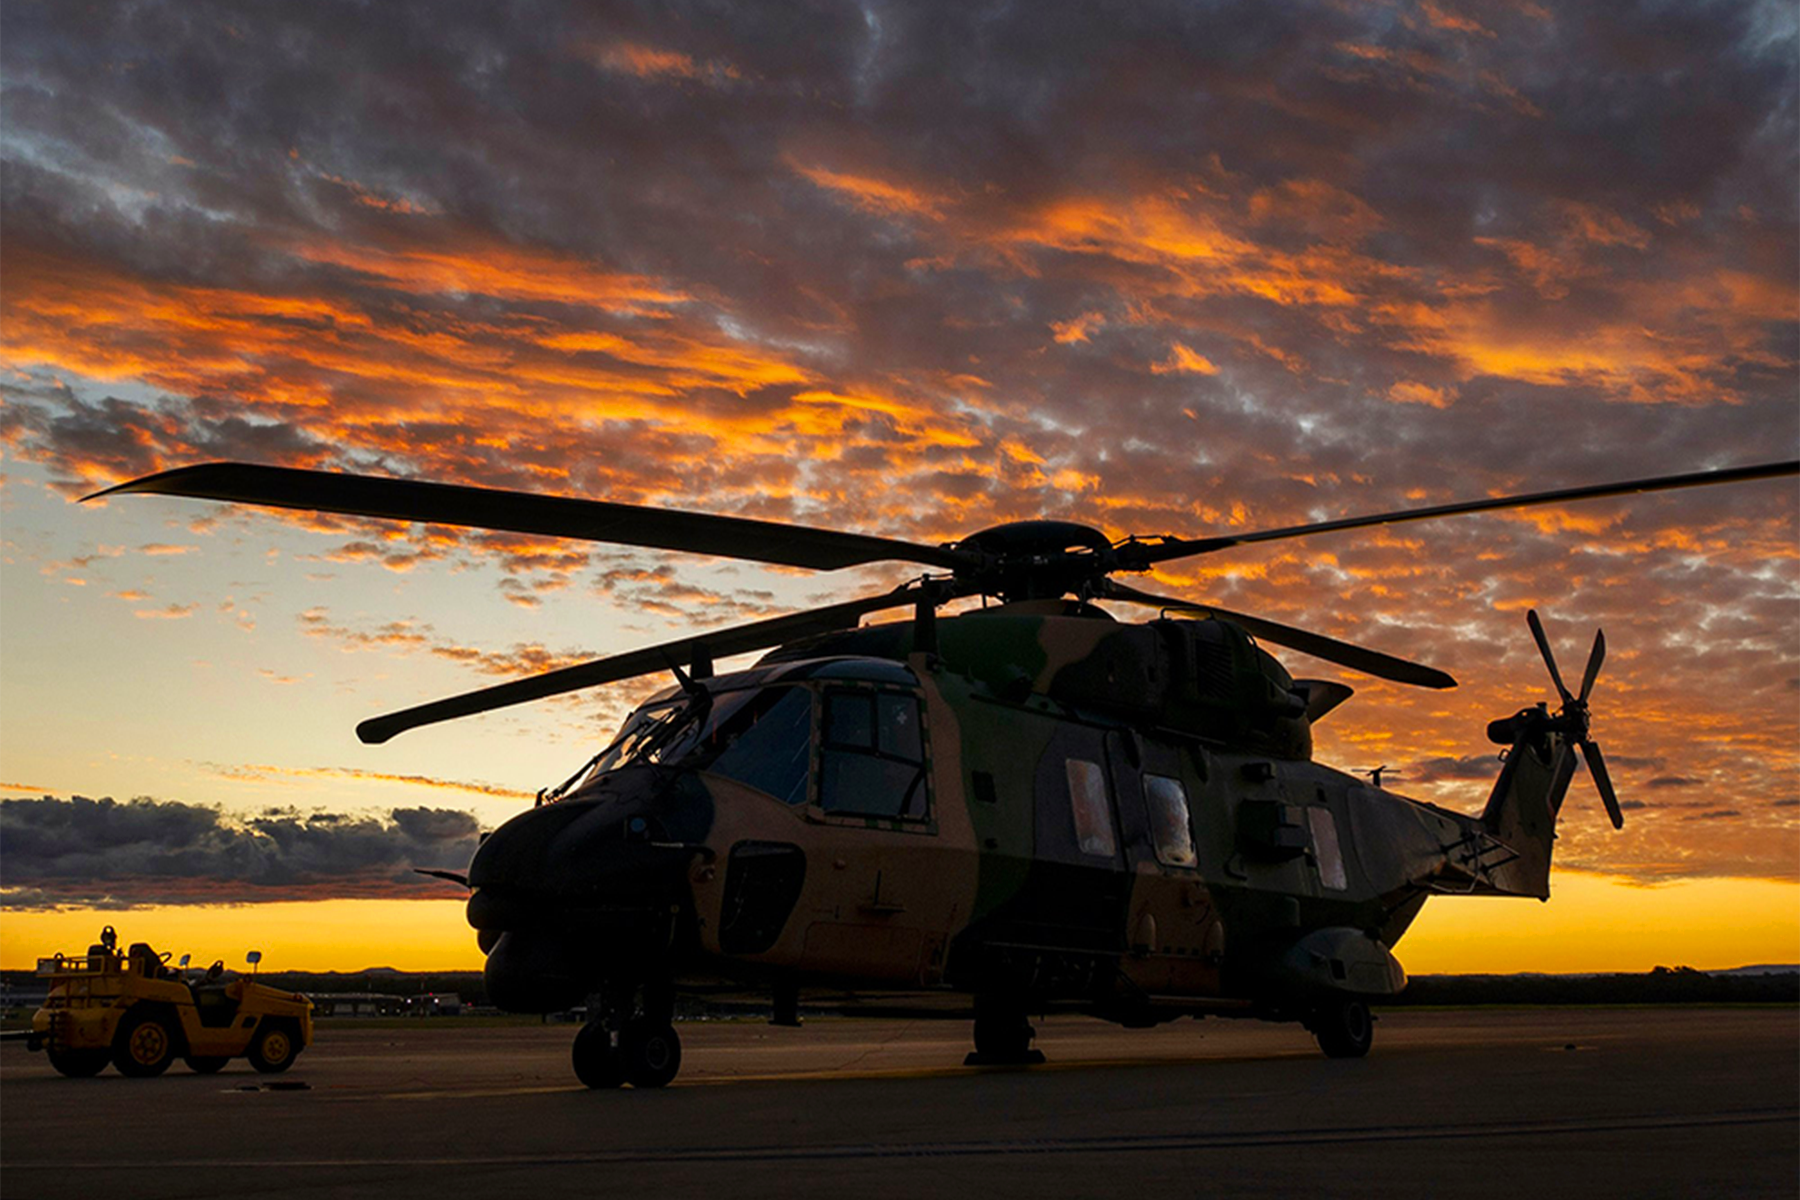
(905, 269)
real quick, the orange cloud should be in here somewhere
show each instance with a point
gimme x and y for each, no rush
(1408, 391)
(263, 772)
(173, 612)
(1184, 361)
(474, 265)
(1077, 329)
(878, 196)
(652, 62)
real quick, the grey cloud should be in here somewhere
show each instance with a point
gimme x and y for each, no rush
(108, 853)
(166, 151)
(1474, 766)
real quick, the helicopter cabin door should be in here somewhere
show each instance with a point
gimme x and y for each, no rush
(1061, 934)
(1172, 928)
(873, 906)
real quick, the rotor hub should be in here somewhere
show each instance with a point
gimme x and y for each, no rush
(1036, 560)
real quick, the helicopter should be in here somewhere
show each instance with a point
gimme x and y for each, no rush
(1031, 805)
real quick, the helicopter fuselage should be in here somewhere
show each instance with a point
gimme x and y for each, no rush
(921, 821)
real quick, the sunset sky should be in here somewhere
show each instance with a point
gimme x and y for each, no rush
(905, 269)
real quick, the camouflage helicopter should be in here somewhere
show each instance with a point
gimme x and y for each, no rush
(1030, 803)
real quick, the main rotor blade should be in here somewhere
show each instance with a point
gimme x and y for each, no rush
(1370, 662)
(1147, 554)
(1543, 644)
(525, 512)
(721, 643)
(1590, 751)
(1596, 656)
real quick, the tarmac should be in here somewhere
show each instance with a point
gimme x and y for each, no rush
(1544, 1102)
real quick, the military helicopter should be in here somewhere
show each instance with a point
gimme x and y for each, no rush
(1030, 803)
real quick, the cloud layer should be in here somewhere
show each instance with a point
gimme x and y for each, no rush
(78, 852)
(916, 269)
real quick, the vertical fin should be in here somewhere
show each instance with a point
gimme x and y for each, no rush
(1521, 812)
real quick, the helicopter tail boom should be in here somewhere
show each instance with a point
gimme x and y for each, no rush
(1521, 813)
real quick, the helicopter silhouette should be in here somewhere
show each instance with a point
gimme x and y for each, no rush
(1032, 804)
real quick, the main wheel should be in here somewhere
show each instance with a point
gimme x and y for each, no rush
(144, 1045)
(1003, 1039)
(651, 1052)
(78, 1064)
(597, 1063)
(209, 1064)
(1344, 1028)
(274, 1049)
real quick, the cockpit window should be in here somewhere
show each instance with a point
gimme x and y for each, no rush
(767, 743)
(873, 760)
(671, 730)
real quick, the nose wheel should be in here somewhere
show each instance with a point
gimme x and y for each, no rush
(632, 1040)
(1003, 1035)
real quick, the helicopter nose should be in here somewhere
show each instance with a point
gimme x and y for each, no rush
(556, 864)
(577, 890)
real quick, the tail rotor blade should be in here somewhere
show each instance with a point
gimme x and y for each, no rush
(1595, 658)
(1543, 644)
(1590, 751)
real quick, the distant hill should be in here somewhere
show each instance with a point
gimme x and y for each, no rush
(1662, 985)
(1761, 983)
(1762, 969)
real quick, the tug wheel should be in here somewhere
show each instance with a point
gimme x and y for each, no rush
(78, 1064)
(144, 1046)
(597, 1064)
(651, 1053)
(1344, 1028)
(274, 1049)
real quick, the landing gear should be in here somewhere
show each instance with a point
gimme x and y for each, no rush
(1002, 1035)
(1343, 1026)
(651, 1052)
(597, 1063)
(632, 1039)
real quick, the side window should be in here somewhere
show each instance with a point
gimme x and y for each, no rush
(873, 763)
(1168, 804)
(769, 744)
(1326, 849)
(1092, 810)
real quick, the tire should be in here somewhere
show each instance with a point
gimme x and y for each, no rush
(652, 1053)
(206, 1064)
(145, 1044)
(1344, 1028)
(597, 1064)
(1003, 1039)
(78, 1064)
(274, 1048)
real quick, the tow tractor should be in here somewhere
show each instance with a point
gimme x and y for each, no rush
(138, 1013)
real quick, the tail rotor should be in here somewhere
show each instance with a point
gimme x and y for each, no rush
(1573, 716)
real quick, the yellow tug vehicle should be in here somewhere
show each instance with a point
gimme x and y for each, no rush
(139, 1014)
